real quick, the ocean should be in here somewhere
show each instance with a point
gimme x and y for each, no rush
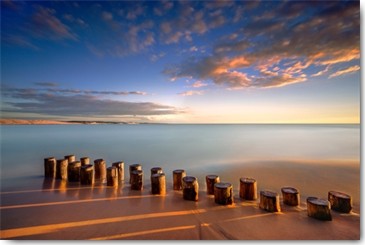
(23, 147)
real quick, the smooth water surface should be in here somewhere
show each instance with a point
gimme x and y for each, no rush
(23, 147)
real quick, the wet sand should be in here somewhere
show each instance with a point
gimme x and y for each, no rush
(38, 208)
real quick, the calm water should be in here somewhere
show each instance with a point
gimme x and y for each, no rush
(191, 147)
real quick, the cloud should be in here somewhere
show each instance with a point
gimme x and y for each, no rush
(19, 41)
(191, 93)
(199, 84)
(64, 104)
(350, 69)
(106, 16)
(47, 25)
(46, 84)
(283, 49)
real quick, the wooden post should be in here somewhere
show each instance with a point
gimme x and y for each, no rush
(319, 208)
(50, 167)
(248, 188)
(269, 201)
(100, 170)
(84, 161)
(190, 188)
(87, 175)
(73, 171)
(223, 193)
(137, 180)
(291, 196)
(70, 158)
(61, 169)
(340, 202)
(112, 176)
(158, 184)
(210, 181)
(178, 175)
(120, 170)
(133, 167)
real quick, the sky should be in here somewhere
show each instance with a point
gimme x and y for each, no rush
(181, 61)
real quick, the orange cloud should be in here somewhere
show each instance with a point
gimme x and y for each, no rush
(350, 69)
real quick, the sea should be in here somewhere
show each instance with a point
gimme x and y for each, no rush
(171, 146)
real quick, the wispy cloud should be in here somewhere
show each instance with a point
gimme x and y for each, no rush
(199, 84)
(191, 93)
(46, 84)
(47, 25)
(350, 69)
(74, 103)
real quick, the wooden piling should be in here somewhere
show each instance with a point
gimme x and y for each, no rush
(319, 209)
(190, 188)
(73, 171)
(120, 170)
(248, 188)
(158, 184)
(156, 170)
(50, 167)
(137, 180)
(70, 158)
(87, 175)
(178, 175)
(210, 181)
(291, 196)
(133, 167)
(223, 193)
(112, 176)
(100, 170)
(269, 201)
(340, 202)
(61, 169)
(84, 161)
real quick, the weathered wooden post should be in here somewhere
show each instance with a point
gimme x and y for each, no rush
(112, 176)
(319, 208)
(73, 171)
(50, 167)
(248, 188)
(223, 193)
(87, 175)
(61, 169)
(190, 188)
(100, 170)
(269, 201)
(70, 158)
(210, 181)
(84, 161)
(158, 184)
(291, 196)
(133, 167)
(178, 175)
(137, 180)
(340, 202)
(120, 170)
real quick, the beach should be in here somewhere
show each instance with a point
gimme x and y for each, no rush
(42, 208)
(314, 159)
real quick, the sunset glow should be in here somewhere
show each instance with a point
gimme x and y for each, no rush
(181, 61)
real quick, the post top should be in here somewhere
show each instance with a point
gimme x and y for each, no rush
(222, 185)
(189, 179)
(178, 171)
(74, 163)
(289, 190)
(269, 193)
(318, 201)
(157, 175)
(135, 165)
(117, 163)
(247, 180)
(212, 176)
(339, 194)
(139, 172)
(99, 161)
(88, 167)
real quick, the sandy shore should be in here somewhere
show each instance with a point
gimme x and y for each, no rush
(37, 208)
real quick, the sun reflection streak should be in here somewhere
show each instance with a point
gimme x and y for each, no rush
(138, 233)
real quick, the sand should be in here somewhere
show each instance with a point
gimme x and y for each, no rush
(37, 208)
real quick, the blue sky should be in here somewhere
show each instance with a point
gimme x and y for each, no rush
(182, 61)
